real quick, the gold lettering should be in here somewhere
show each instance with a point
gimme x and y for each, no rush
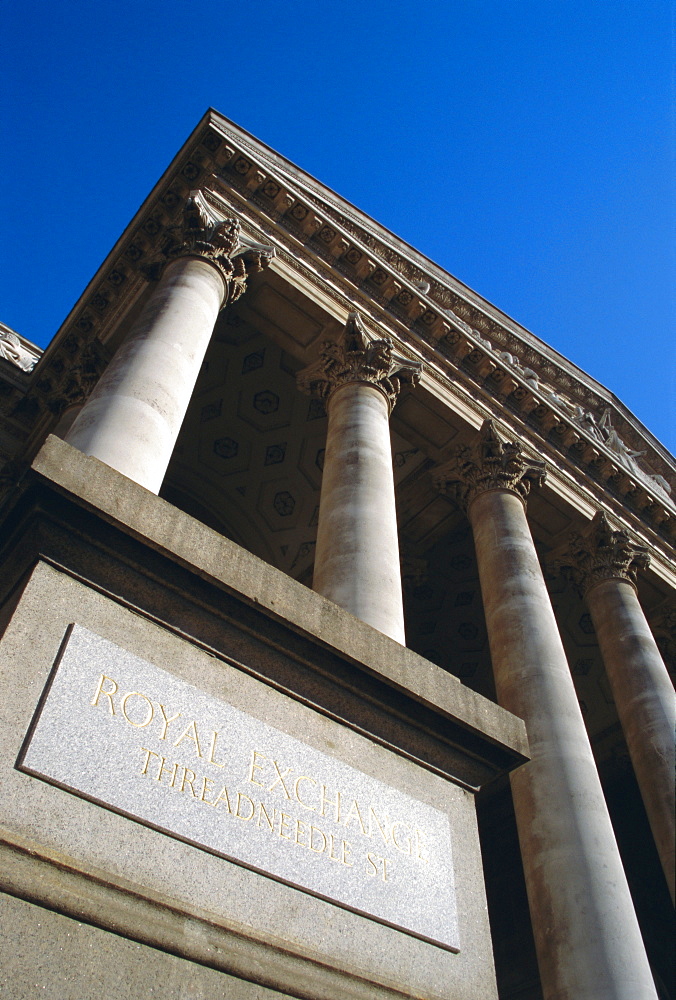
(108, 694)
(222, 797)
(345, 851)
(375, 862)
(324, 801)
(262, 811)
(256, 767)
(284, 820)
(313, 830)
(185, 780)
(149, 754)
(190, 733)
(296, 783)
(279, 780)
(212, 750)
(382, 829)
(332, 856)
(354, 811)
(163, 734)
(151, 710)
(406, 849)
(240, 797)
(164, 769)
(205, 782)
(299, 824)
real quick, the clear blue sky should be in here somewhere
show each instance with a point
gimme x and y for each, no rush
(525, 145)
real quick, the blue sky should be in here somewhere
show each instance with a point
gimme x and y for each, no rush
(525, 145)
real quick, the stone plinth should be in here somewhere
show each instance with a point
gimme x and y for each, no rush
(93, 548)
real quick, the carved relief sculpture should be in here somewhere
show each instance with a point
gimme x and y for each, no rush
(12, 351)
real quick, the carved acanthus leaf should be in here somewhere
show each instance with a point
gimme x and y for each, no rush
(359, 357)
(221, 243)
(489, 464)
(601, 552)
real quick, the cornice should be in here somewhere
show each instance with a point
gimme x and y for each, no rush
(364, 268)
(447, 291)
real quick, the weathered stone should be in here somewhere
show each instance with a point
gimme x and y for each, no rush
(604, 563)
(357, 555)
(126, 734)
(587, 938)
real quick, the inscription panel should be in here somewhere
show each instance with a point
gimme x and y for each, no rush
(128, 735)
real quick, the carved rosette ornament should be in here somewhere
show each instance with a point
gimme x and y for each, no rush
(219, 242)
(600, 553)
(359, 357)
(489, 464)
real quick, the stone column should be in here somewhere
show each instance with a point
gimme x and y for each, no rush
(587, 937)
(604, 564)
(357, 554)
(132, 418)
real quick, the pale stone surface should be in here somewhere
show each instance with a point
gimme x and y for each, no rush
(587, 937)
(644, 696)
(12, 350)
(604, 562)
(133, 416)
(206, 907)
(127, 734)
(47, 955)
(165, 528)
(357, 553)
(357, 556)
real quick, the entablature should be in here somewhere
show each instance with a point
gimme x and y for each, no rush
(342, 260)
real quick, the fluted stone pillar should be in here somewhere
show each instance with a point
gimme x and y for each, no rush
(357, 553)
(587, 938)
(132, 418)
(604, 563)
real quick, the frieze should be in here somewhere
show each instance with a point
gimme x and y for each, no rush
(442, 294)
(553, 381)
(484, 324)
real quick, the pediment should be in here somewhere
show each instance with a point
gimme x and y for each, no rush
(331, 260)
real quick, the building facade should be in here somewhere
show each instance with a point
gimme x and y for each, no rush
(397, 577)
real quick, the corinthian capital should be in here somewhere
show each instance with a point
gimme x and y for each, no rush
(221, 243)
(600, 552)
(488, 464)
(359, 357)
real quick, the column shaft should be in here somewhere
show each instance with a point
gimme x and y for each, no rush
(587, 937)
(357, 556)
(133, 416)
(644, 696)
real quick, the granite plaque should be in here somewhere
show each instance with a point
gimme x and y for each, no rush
(130, 736)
